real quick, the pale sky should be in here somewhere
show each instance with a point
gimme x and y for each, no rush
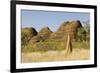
(52, 19)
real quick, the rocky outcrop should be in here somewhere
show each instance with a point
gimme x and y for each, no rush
(45, 32)
(36, 39)
(42, 35)
(68, 27)
(65, 28)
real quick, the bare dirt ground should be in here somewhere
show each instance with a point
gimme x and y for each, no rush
(77, 54)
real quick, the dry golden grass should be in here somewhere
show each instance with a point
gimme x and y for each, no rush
(77, 54)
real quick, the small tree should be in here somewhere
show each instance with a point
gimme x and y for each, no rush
(81, 34)
(27, 34)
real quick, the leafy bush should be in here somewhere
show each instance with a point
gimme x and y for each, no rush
(27, 34)
(81, 45)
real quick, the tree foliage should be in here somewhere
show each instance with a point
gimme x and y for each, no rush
(27, 34)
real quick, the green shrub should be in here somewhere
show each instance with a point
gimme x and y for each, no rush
(81, 45)
(27, 34)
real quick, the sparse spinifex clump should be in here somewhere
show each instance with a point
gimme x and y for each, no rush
(47, 40)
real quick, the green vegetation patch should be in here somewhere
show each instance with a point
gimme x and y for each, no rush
(44, 46)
